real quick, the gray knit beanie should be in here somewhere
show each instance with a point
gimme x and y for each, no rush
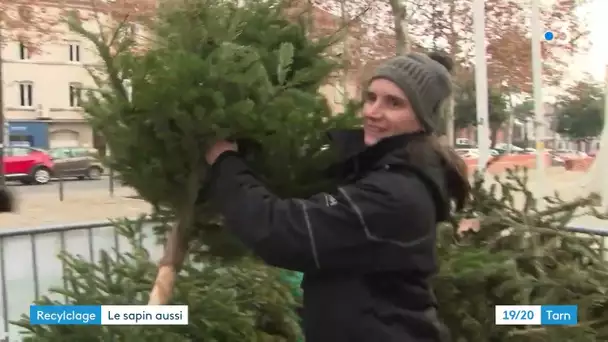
(425, 80)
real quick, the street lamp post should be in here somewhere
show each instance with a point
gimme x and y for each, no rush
(602, 154)
(481, 84)
(539, 127)
(595, 180)
(4, 137)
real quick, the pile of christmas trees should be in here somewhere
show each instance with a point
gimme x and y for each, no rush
(522, 254)
(216, 69)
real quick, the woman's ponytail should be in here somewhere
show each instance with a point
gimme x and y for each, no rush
(455, 172)
(430, 150)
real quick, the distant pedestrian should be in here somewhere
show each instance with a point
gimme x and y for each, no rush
(6, 200)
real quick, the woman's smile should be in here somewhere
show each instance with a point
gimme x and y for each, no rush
(373, 133)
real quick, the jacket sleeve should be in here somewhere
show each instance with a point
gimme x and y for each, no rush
(324, 231)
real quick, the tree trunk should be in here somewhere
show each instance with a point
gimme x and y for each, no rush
(176, 247)
(449, 116)
(493, 135)
(526, 138)
(170, 264)
(401, 23)
(510, 124)
(345, 56)
(310, 16)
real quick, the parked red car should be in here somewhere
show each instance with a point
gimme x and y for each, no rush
(27, 165)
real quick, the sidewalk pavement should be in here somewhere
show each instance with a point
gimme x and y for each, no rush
(97, 205)
(35, 210)
(569, 185)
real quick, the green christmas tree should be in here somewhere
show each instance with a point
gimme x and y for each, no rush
(213, 69)
(522, 254)
(242, 301)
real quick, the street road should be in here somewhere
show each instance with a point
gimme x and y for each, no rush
(68, 186)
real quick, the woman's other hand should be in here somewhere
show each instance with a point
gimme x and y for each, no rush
(468, 225)
(218, 148)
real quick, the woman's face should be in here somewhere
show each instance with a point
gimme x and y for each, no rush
(386, 112)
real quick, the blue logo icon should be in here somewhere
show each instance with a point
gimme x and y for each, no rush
(549, 36)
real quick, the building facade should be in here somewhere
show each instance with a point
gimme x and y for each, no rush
(43, 78)
(41, 86)
(42, 92)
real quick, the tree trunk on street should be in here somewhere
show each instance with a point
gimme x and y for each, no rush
(401, 22)
(454, 48)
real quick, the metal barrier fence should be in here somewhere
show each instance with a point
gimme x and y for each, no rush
(29, 264)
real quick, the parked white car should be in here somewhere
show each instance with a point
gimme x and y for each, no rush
(505, 147)
(468, 153)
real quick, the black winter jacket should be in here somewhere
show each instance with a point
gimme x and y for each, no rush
(367, 251)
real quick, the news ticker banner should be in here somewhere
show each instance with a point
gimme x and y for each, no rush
(178, 315)
(536, 315)
(109, 314)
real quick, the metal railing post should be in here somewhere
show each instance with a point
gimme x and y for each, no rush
(60, 183)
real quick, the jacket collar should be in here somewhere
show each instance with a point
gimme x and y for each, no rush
(355, 159)
(349, 145)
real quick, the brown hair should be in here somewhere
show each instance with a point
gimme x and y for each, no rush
(455, 169)
(430, 150)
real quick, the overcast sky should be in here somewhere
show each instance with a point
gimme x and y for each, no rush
(595, 13)
(595, 62)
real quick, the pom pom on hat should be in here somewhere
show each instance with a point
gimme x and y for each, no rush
(443, 59)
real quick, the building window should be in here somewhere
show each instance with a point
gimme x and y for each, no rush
(74, 53)
(26, 94)
(25, 13)
(21, 140)
(75, 94)
(24, 52)
(339, 94)
(133, 30)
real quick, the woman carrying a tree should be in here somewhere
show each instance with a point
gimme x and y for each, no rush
(367, 251)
